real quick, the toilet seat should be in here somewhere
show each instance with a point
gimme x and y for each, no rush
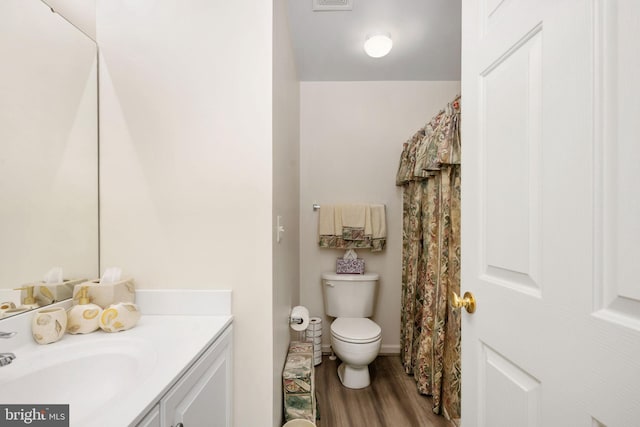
(357, 330)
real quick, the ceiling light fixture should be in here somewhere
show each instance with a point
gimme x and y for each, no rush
(378, 45)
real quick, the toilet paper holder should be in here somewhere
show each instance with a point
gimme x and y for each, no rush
(299, 318)
(296, 320)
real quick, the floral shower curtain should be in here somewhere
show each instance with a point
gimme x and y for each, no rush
(429, 173)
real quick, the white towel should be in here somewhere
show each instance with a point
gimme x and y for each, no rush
(356, 222)
(354, 216)
(352, 226)
(337, 220)
(378, 222)
(326, 221)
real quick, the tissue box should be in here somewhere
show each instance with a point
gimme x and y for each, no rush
(48, 293)
(107, 293)
(350, 266)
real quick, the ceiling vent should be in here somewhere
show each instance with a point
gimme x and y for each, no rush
(332, 5)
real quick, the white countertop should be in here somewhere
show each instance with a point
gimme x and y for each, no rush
(179, 341)
(165, 344)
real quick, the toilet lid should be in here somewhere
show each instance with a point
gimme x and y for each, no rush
(355, 329)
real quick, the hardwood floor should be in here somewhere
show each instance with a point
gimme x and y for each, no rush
(391, 400)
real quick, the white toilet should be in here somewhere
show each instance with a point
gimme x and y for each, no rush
(355, 339)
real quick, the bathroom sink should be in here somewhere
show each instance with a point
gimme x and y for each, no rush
(107, 379)
(82, 371)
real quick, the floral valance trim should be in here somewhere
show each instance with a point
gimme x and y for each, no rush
(437, 144)
(366, 242)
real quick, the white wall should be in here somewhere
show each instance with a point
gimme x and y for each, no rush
(81, 13)
(192, 120)
(49, 146)
(186, 163)
(286, 195)
(351, 136)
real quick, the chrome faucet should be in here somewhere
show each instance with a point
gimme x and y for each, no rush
(6, 358)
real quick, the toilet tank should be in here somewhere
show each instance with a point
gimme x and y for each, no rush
(349, 295)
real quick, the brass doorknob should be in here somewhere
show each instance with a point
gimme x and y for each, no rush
(468, 301)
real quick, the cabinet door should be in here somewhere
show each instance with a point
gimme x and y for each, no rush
(202, 398)
(152, 419)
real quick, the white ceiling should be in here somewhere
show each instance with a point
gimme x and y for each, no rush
(425, 33)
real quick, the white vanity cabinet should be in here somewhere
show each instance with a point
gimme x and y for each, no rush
(202, 396)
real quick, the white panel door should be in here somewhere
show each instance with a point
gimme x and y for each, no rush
(551, 213)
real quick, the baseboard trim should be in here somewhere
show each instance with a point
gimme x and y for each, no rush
(389, 349)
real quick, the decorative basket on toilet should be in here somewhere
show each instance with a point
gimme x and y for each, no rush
(355, 338)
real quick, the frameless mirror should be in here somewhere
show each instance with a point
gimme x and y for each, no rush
(48, 148)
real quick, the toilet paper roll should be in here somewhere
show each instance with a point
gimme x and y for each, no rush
(299, 312)
(313, 334)
(315, 323)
